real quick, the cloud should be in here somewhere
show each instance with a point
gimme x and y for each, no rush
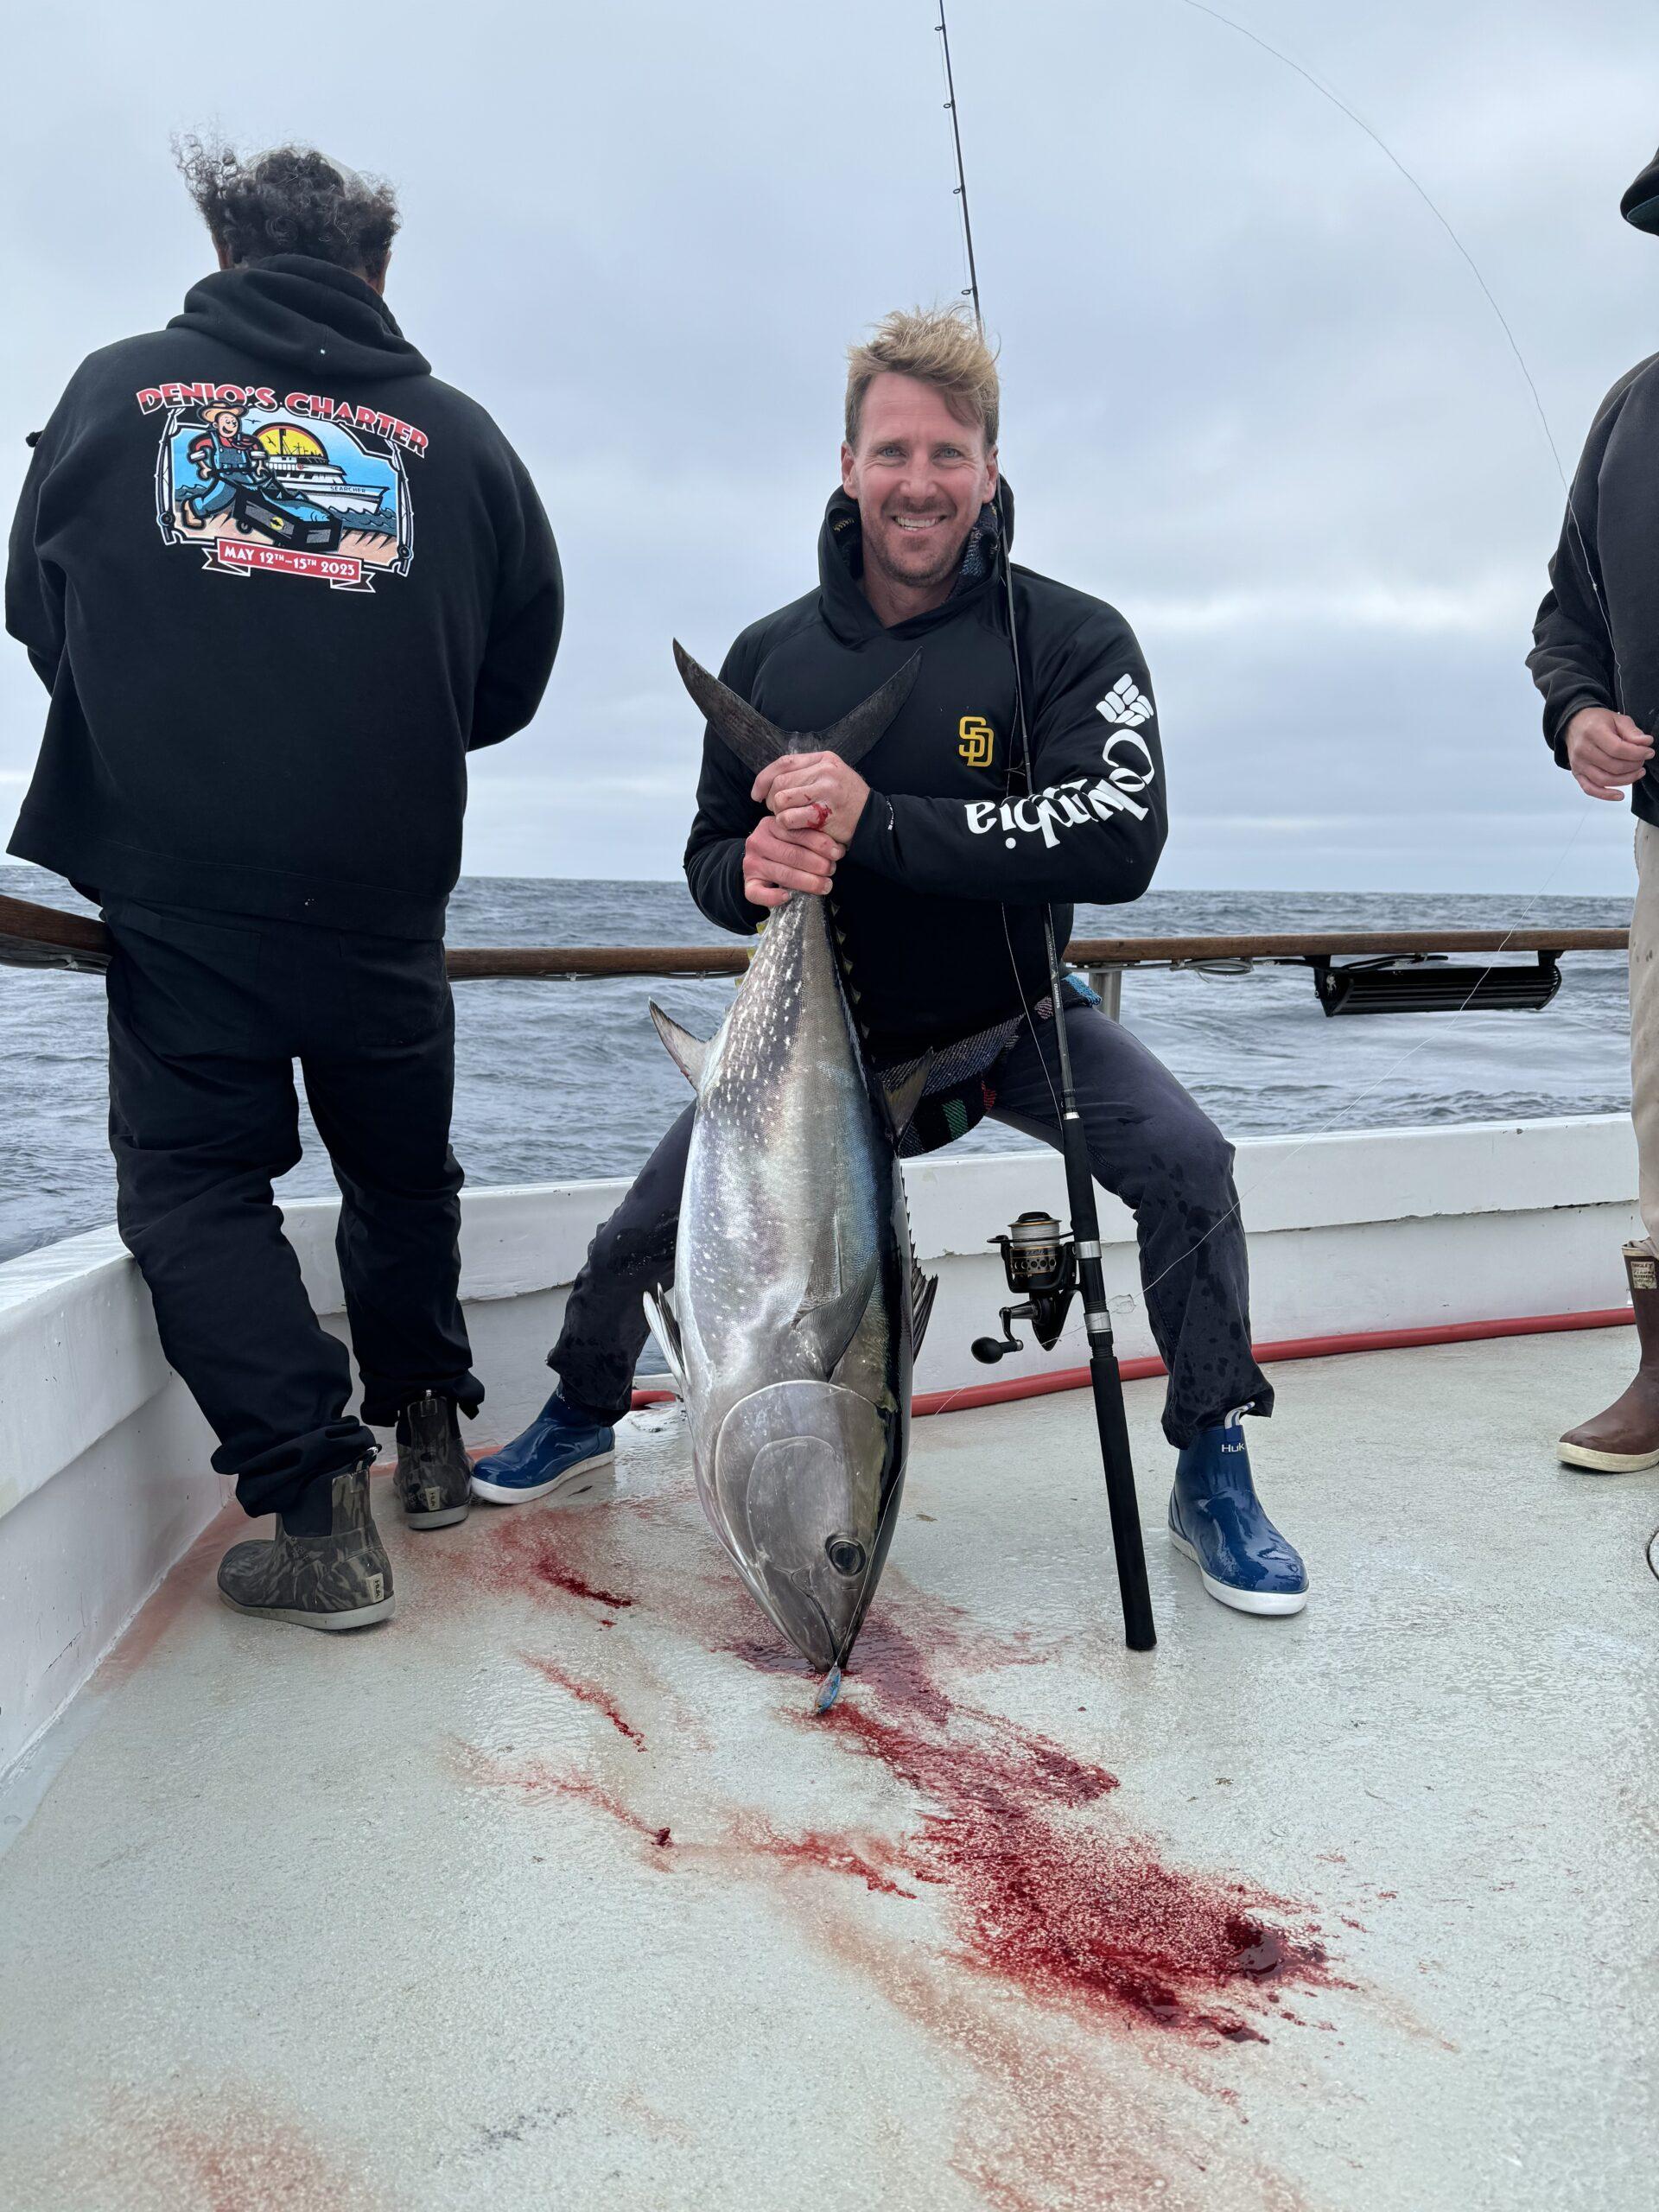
(1480, 606)
(1253, 394)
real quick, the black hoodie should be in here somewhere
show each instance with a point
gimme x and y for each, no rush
(943, 888)
(279, 580)
(1596, 641)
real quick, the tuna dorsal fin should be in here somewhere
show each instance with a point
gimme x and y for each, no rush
(688, 1052)
(903, 1098)
(757, 742)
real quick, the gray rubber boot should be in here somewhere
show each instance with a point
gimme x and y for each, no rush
(435, 1476)
(337, 1581)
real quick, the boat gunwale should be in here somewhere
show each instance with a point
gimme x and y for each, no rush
(36, 936)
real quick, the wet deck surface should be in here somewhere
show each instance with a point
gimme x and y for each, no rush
(552, 1892)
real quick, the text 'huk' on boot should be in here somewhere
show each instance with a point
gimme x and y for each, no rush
(340, 1579)
(1625, 1438)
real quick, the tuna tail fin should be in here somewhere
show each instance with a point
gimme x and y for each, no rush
(688, 1052)
(855, 733)
(757, 742)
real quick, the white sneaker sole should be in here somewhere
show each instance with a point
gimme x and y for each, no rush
(512, 1494)
(359, 1617)
(1276, 1603)
(1605, 1463)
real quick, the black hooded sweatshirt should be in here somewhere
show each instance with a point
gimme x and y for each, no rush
(1596, 641)
(279, 580)
(943, 888)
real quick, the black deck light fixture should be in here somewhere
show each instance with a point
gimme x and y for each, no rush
(1429, 983)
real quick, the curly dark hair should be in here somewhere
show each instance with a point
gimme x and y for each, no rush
(292, 199)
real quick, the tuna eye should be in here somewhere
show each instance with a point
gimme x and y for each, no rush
(845, 1554)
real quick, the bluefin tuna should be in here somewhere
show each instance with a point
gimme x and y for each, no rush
(797, 1308)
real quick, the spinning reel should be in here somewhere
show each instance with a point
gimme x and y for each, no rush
(1040, 1260)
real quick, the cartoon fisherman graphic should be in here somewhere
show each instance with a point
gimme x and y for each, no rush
(227, 459)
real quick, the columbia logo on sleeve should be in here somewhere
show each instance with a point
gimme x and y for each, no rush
(1126, 704)
(1131, 769)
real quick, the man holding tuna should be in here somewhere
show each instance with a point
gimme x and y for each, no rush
(939, 860)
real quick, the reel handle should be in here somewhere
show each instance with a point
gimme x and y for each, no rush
(988, 1349)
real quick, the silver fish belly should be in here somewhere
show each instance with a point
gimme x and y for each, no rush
(792, 1294)
(794, 1325)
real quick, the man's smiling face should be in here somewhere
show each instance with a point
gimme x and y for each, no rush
(920, 475)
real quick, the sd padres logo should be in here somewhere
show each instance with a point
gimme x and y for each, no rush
(975, 740)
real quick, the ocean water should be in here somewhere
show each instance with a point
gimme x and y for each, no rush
(558, 1080)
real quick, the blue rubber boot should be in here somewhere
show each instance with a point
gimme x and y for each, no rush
(560, 1442)
(1216, 1519)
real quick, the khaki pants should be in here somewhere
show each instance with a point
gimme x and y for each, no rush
(1644, 1023)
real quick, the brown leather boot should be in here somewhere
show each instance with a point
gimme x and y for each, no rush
(1626, 1437)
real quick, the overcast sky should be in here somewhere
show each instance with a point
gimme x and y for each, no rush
(1252, 395)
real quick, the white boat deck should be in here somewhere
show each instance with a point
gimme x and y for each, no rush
(552, 1893)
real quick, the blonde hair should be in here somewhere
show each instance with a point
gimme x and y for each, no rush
(938, 346)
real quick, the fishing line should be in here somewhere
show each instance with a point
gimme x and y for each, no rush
(1006, 551)
(1202, 8)
(1387, 1075)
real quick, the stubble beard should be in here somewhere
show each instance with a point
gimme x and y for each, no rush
(943, 571)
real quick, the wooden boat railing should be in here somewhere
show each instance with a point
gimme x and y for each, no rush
(48, 937)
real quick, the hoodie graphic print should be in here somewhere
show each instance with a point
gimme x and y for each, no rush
(297, 483)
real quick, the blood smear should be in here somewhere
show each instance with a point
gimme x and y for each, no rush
(527, 1556)
(587, 1693)
(1050, 1901)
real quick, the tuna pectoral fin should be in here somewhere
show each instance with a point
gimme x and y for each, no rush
(688, 1052)
(833, 1303)
(830, 1327)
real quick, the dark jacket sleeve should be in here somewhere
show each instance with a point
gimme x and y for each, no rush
(1093, 825)
(1572, 659)
(725, 813)
(525, 619)
(34, 586)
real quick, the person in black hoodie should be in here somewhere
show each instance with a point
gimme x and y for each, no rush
(1595, 659)
(279, 581)
(938, 868)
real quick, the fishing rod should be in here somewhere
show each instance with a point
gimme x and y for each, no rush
(1039, 1259)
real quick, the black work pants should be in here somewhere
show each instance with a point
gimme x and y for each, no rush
(1149, 1143)
(207, 1015)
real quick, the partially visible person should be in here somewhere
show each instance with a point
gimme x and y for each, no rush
(1596, 660)
(279, 581)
